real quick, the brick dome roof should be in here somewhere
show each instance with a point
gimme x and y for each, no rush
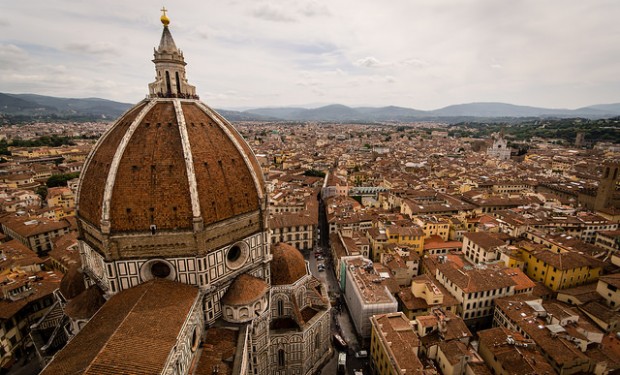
(168, 162)
(72, 283)
(86, 304)
(245, 290)
(287, 265)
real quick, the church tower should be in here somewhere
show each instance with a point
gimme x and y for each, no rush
(607, 185)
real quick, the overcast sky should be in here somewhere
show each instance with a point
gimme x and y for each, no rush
(412, 53)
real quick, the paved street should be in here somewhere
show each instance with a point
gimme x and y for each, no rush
(341, 323)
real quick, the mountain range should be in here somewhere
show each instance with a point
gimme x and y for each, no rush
(46, 106)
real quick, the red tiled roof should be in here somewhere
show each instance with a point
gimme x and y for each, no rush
(133, 333)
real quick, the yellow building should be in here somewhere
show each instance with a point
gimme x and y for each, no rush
(394, 345)
(412, 237)
(434, 226)
(424, 295)
(512, 257)
(30, 152)
(61, 212)
(561, 270)
(609, 288)
(60, 197)
(407, 236)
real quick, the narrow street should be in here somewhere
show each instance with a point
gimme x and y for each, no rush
(341, 321)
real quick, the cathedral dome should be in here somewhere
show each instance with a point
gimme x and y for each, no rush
(246, 289)
(287, 265)
(169, 163)
(245, 299)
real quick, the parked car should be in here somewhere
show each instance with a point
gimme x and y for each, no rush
(342, 363)
(361, 354)
(340, 341)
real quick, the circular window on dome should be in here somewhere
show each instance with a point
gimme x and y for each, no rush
(160, 270)
(195, 339)
(157, 269)
(236, 255)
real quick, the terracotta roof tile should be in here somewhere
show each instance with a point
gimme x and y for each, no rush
(133, 333)
(151, 186)
(287, 266)
(244, 290)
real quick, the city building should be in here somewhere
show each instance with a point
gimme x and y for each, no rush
(424, 295)
(26, 291)
(561, 334)
(482, 247)
(366, 292)
(394, 345)
(35, 233)
(475, 287)
(437, 328)
(509, 353)
(499, 149)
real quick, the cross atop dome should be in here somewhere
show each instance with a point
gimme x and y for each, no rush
(171, 81)
(164, 19)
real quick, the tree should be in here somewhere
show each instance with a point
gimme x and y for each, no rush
(42, 192)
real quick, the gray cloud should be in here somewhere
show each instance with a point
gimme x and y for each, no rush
(270, 12)
(11, 52)
(369, 62)
(424, 54)
(100, 48)
(314, 9)
(373, 62)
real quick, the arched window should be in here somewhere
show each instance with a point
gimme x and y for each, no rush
(281, 359)
(178, 82)
(168, 89)
(280, 307)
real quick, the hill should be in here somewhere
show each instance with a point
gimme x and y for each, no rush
(41, 106)
(25, 106)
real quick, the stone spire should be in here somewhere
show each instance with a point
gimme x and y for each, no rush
(170, 81)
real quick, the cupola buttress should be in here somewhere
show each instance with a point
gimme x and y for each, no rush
(170, 81)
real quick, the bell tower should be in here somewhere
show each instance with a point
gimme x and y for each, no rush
(607, 185)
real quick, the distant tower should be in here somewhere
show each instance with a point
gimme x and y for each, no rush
(607, 185)
(579, 139)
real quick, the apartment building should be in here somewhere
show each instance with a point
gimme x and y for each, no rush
(394, 345)
(367, 291)
(35, 233)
